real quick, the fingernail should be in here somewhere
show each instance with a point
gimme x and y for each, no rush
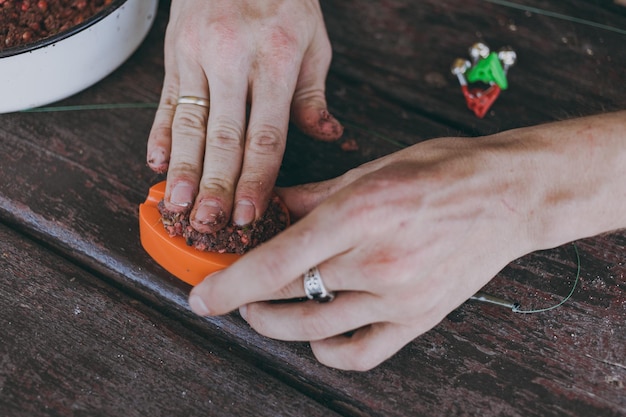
(209, 212)
(329, 126)
(157, 157)
(243, 312)
(198, 306)
(182, 194)
(244, 213)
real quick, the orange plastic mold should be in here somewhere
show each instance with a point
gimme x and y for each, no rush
(172, 253)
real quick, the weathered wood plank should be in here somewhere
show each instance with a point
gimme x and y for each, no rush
(76, 180)
(404, 50)
(71, 345)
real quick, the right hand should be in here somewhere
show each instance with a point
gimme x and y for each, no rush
(405, 239)
(272, 54)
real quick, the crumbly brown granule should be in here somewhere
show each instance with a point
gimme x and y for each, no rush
(232, 238)
(28, 21)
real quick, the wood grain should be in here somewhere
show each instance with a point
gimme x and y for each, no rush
(71, 345)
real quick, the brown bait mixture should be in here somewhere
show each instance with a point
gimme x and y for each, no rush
(232, 238)
(27, 21)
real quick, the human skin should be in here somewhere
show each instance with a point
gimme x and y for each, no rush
(272, 55)
(407, 238)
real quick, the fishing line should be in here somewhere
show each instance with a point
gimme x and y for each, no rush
(114, 106)
(106, 106)
(541, 310)
(556, 15)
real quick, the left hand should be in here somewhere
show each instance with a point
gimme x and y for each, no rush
(272, 55)
(402, 241)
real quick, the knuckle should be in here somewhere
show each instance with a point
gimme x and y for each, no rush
(254, 186)
(180, 170)
(282, 50)
(227, 37)
(226, 135)
(283, 45)
(187, 40)
(216, 186)
(219, 39)
(308, 99)
(224, 29)
(266, 141)
(189, 122)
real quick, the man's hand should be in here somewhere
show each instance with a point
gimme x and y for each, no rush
(404, 240)
(273, 55)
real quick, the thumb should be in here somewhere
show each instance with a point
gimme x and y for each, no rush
(309, 110)
(301, 199)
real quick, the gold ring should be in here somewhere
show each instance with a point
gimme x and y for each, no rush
(198, 101)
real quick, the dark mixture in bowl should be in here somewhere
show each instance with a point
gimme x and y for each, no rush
(27, 21)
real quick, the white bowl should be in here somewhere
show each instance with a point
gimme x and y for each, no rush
(57, 67)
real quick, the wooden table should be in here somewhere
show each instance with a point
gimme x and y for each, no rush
(90, 325)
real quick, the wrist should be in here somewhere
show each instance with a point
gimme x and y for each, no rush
(567, 178)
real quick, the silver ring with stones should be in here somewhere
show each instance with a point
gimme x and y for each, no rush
(314, 286)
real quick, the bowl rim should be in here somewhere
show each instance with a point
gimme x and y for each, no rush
(42, 43)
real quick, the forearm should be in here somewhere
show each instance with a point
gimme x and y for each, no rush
(573, 176)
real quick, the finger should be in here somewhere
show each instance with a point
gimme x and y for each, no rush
(263, 271)
(265, 141)
(365, 348)
(309, 110)
(224, 152)
(310, 320)
(160, 138)
(188, 138)
(338, 274)
(301, 199)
